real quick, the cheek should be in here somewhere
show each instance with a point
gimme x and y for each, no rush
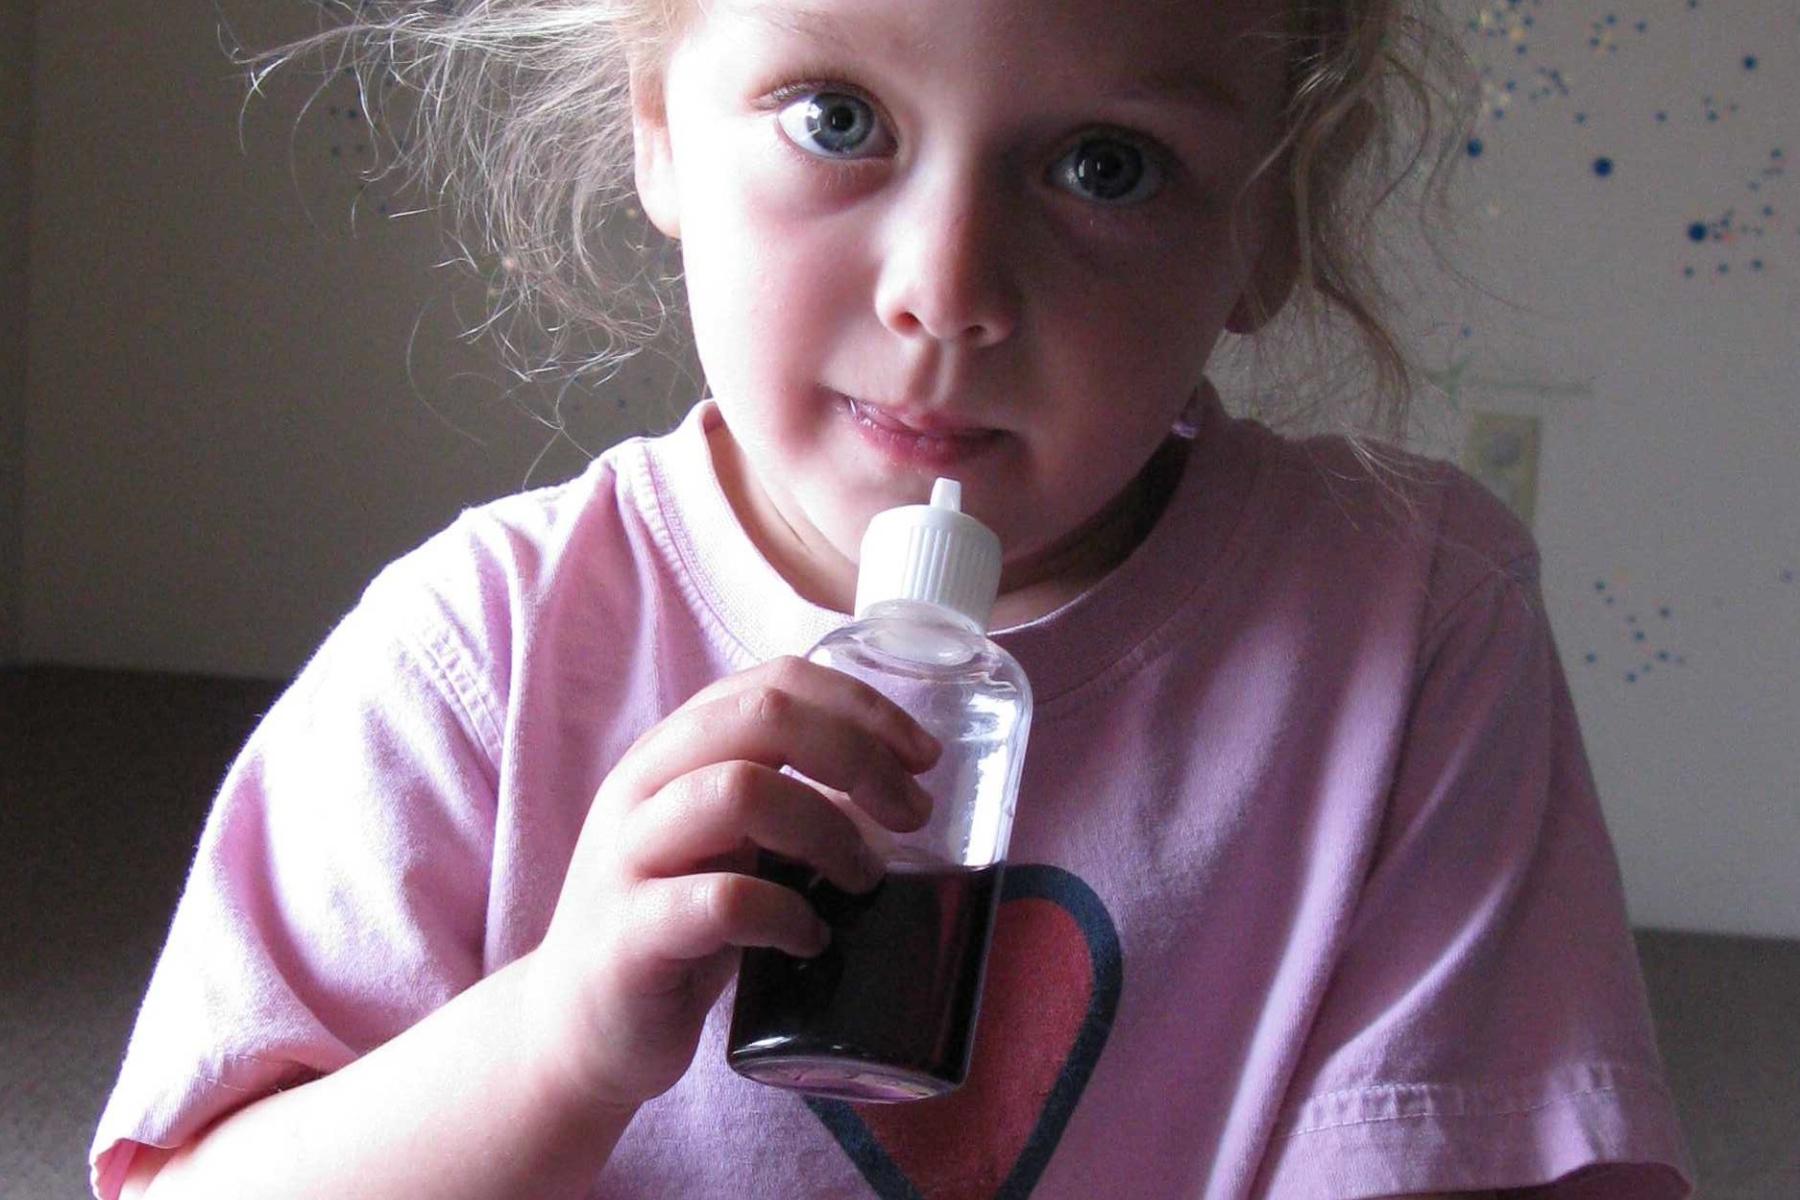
(737, 293)
(1138, 305)
(1127, 346)
(745, 238)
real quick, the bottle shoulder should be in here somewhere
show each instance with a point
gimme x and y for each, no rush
(919, 647)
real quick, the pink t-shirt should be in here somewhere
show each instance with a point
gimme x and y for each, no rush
(1309, 892)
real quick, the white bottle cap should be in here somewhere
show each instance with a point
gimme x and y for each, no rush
(934, 553)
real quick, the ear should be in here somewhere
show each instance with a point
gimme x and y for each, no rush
(653, 164)
(1272, 278)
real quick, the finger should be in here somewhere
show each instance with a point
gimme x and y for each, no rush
(777, 728)
(723, 809)
(834, 689)
(693, 916)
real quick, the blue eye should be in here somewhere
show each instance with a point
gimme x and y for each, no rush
(1110, 170)
(831, 124)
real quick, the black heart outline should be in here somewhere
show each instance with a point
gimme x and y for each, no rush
(1025, 881)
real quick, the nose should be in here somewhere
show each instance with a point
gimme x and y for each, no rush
(945, 270)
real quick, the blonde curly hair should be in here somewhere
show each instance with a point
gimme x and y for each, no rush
(516, 115)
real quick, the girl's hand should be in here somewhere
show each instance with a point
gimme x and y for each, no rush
(659, 896)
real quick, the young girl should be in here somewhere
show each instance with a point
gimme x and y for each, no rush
(1309, 894)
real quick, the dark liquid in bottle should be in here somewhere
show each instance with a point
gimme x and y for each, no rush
(887, 1012)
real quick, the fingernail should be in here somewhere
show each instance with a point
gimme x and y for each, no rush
(925, 747)
(920, 799)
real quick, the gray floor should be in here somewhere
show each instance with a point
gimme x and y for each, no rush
(104, 780)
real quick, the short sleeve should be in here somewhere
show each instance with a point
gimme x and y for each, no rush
(339, 890)
(1486, 1023)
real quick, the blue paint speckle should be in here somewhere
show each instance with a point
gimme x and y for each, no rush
(1749, 62)
(1603, 167)
(1697, 231)
(1475, 147)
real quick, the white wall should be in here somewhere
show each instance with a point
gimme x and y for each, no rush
(1669, 500)
(224, 444)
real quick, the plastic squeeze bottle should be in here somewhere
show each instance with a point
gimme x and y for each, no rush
(888, 1011)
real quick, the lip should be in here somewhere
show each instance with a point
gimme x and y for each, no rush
(916, 438)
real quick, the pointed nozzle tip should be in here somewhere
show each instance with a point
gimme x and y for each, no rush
(947, 493)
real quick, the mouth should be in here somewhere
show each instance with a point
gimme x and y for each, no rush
(916, 438)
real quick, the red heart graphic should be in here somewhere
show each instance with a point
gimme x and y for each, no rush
(1052, 988)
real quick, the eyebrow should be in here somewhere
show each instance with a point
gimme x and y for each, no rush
(806, 22)
(1189, 89)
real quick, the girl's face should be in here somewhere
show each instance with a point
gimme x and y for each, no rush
(986, 239)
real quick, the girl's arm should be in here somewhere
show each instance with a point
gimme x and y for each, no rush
(523, 1084)
(464, 1104)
